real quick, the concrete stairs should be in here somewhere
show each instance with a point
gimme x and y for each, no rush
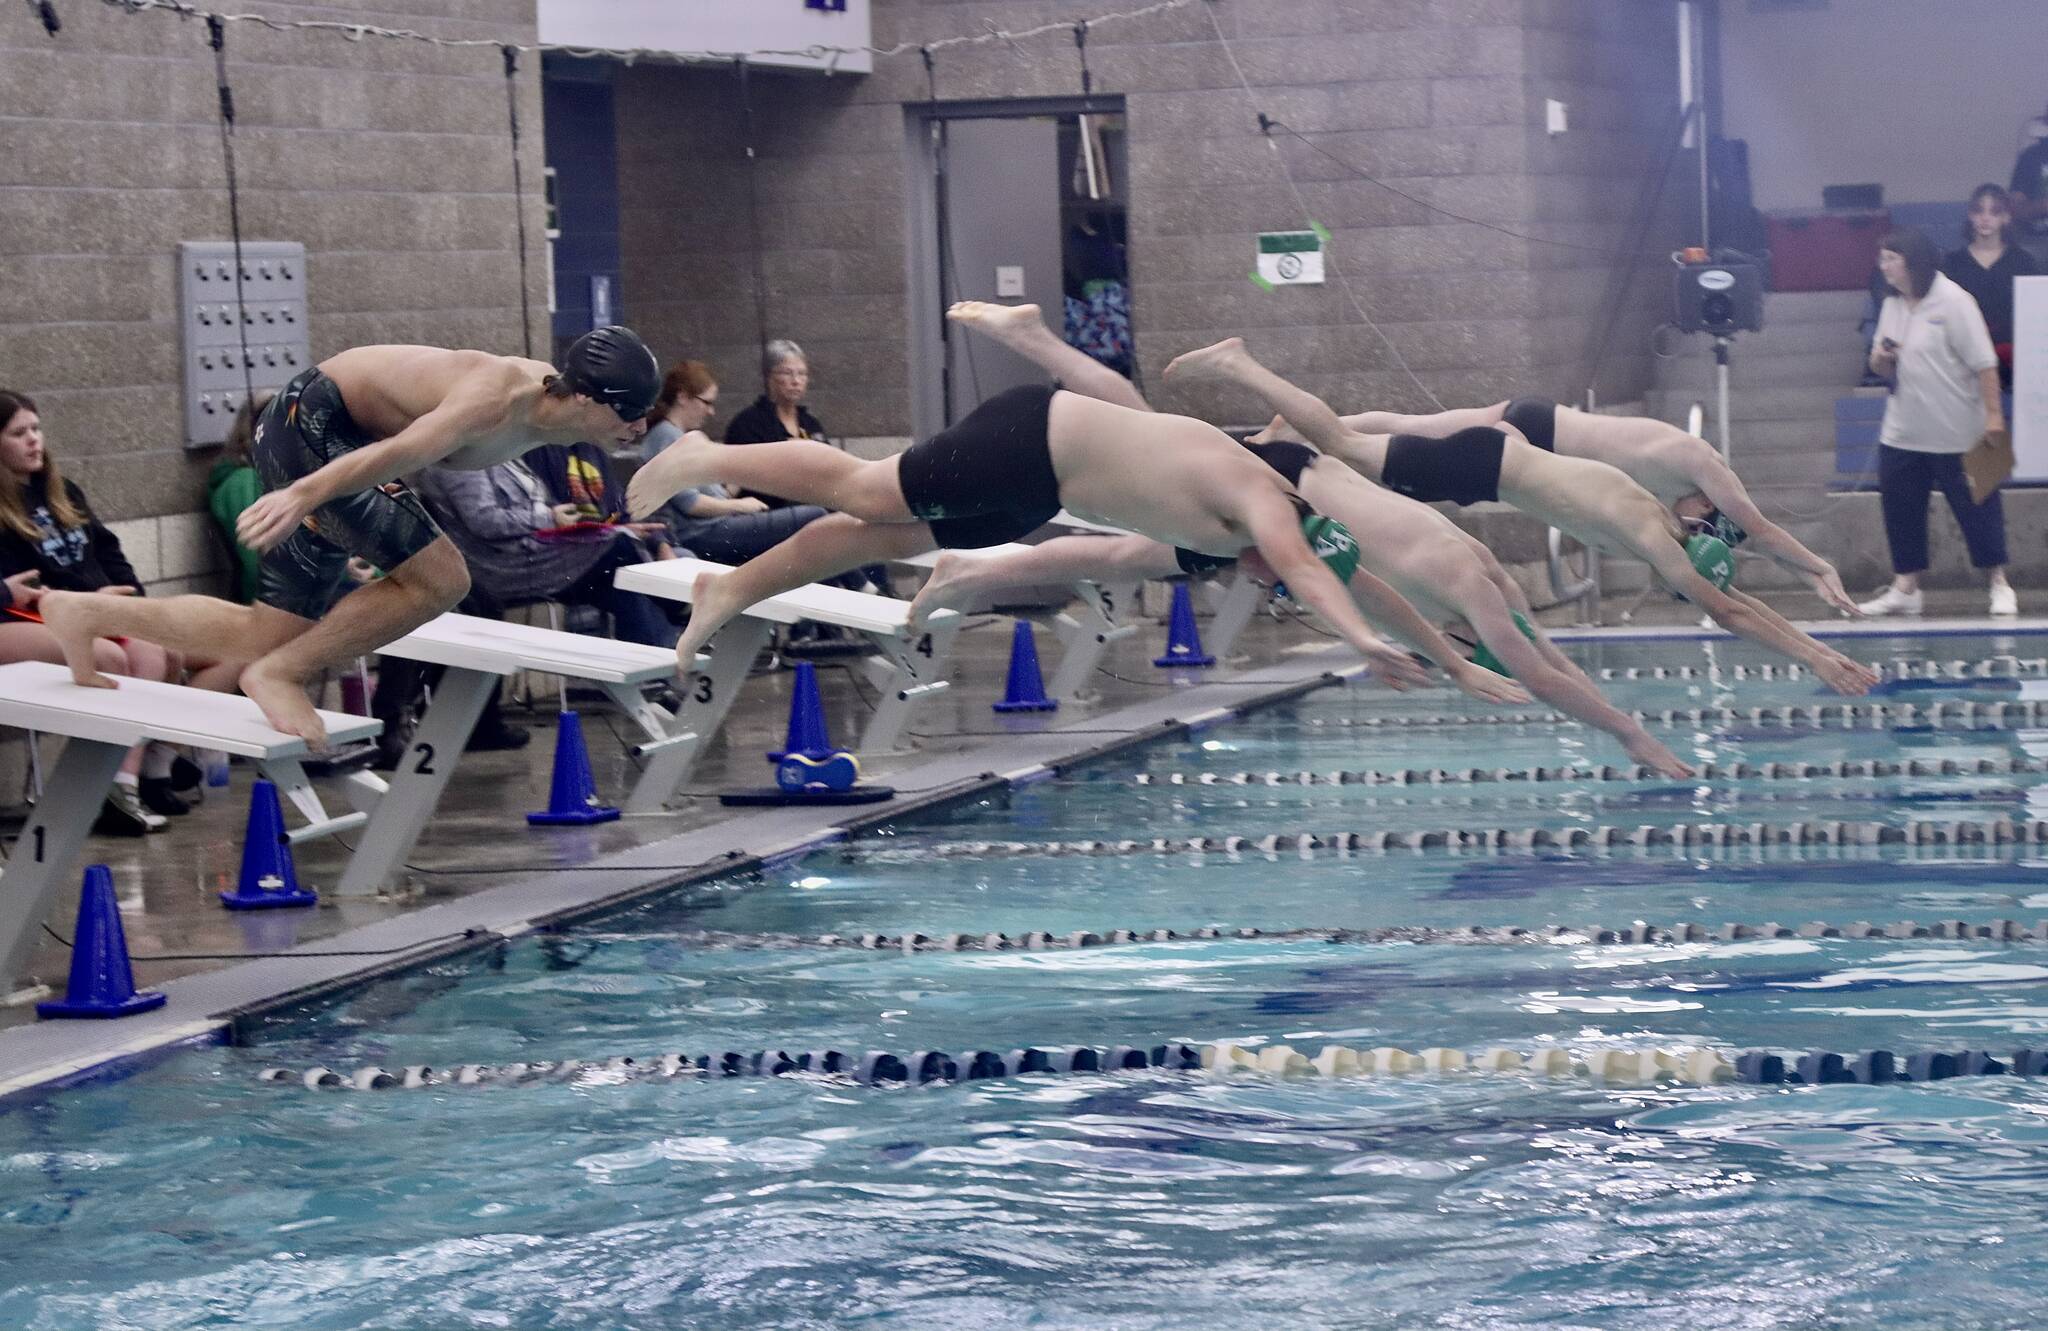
(1783, 385)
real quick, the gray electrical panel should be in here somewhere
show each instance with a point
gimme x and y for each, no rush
(270, 321)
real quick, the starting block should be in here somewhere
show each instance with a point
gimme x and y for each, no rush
(100, 726)
(911, 670)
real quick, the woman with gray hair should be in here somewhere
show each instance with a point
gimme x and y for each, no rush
(779, 413)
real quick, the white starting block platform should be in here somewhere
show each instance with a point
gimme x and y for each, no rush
(475, 654)
(911, 670)
(100, 726)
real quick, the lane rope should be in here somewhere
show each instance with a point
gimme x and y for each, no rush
(1915, 832)
(1602, 1064)
(1635, 933)
(1439, 776)
(1899, 668)
(1941, 715)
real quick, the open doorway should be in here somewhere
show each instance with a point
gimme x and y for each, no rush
(1014, 202)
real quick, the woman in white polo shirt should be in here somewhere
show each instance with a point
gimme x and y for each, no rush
(1932, 342)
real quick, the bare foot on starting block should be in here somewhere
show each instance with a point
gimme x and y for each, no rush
(285, 704)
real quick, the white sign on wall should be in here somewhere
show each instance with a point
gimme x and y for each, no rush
(2030, 379)
(719, 26)
(1290, 258)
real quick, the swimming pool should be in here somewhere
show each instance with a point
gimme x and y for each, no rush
(191, 1194)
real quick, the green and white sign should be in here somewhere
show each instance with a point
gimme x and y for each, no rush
(1291, 258)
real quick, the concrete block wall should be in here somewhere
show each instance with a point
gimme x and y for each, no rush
(1441, 99)
(389, 160)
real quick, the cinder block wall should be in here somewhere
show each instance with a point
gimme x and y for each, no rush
(389, 160)
(1441, 99)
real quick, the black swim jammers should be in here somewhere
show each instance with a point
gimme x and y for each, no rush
(1461, 469)
(1536, 418)
(988, 477)
(305, 427)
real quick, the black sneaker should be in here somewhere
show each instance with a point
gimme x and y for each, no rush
(123, 815)
(186, 775)
(498, 739)
(159, 795)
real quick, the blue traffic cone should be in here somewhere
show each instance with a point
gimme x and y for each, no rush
(1183, 639)
(268, 879)
(1026, 689)
(102, 982)
(807, 736)
(572, 794)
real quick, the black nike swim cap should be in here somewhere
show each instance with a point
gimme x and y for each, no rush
(613, 366)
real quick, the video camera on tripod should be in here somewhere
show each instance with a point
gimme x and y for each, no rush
(1719, 296)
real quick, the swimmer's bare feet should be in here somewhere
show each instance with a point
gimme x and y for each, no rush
(70, 619)
(690, 460)
(284, 703)
(1216, 361)
(713, 602)
(951, 585)
(1015, 326)
(1647, 751)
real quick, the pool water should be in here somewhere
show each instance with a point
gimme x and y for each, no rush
(191, 1195)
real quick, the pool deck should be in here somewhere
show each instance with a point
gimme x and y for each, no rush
(483, 886)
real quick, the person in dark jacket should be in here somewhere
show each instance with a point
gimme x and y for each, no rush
(496, 516)
(780, 413)
(1986, 267)
(50, 540)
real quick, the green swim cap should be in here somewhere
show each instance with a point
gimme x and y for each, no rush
(1713, 559)
(1483, 657)
(1333, 543)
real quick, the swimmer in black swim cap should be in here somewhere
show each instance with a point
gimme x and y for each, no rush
(333, 448)
(613, 366)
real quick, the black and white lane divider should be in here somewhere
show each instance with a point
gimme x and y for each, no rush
(1603, 1064)
(1916, 832)
(1942, 715)
(1635, 933)
(1899, 668)
(1439, 776)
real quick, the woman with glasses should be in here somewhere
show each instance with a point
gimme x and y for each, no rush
(1934, 346)
(708, 521)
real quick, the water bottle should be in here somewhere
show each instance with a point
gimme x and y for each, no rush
(215, 764)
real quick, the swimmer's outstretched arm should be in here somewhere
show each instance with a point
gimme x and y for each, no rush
(1719, 483)
(1393, 610)
(1746, 617)
(479, 403)
(1276, 531)
(1551, 676)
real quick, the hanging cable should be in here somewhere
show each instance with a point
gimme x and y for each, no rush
(217, 38)
(753, 209)
(818, 51)
(1268, 124)
(1301, 202)
(949, 268)
(518, 195)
